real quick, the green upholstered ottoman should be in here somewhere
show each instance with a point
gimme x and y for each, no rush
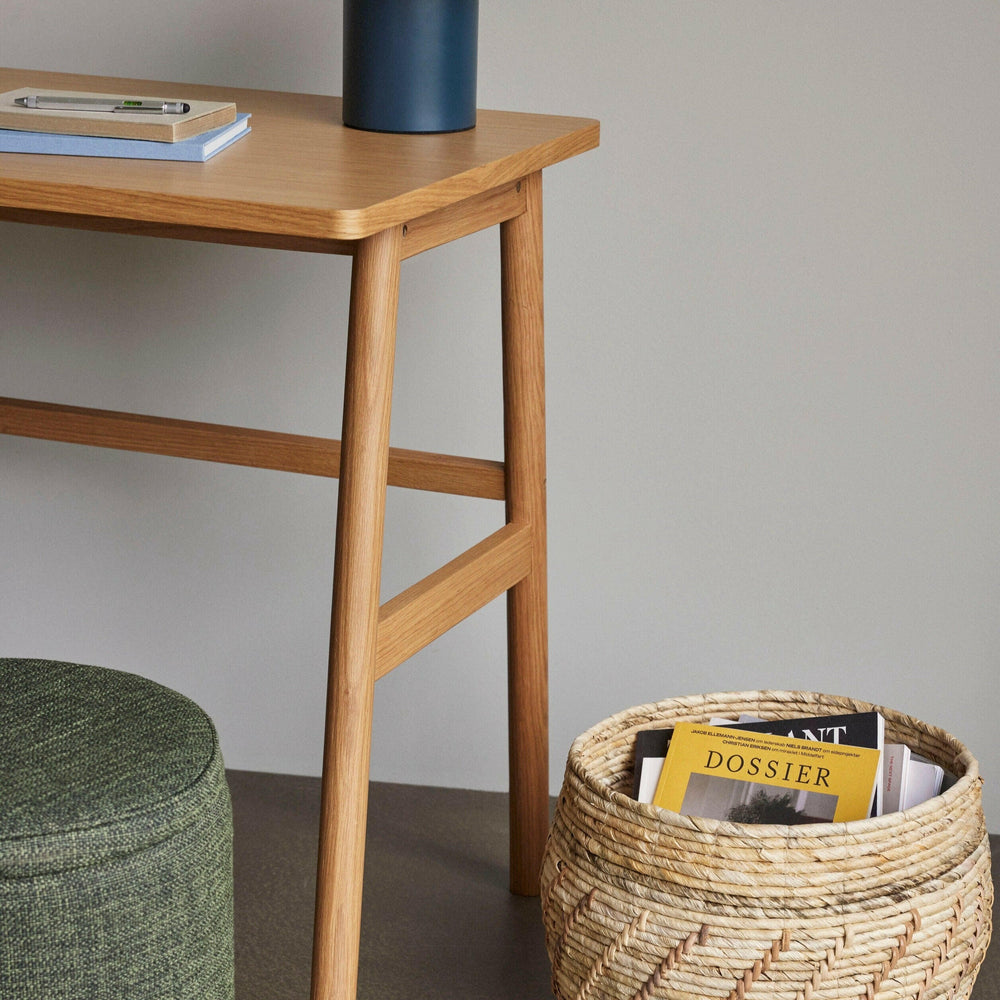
(115, 840)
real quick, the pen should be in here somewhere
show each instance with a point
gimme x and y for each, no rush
(126, 105)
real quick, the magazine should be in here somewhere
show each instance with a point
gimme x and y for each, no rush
(863, 729)
(743, 776)
(910, 779)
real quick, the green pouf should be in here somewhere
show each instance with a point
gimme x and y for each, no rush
(116, 874)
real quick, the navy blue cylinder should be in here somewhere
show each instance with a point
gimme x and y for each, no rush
(410, 65)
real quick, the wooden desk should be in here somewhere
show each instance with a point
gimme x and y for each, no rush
(301, 181)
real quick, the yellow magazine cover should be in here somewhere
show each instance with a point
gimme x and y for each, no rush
(748, 777)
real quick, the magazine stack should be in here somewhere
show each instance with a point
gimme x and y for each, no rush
(802, 770)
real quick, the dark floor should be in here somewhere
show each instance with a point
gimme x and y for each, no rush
(438, 919)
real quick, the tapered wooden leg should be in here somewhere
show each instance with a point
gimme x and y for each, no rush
(527, 606)
(357, 573)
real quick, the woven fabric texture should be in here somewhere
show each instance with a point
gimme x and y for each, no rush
(115, 839)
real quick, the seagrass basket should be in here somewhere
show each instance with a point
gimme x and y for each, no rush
(640, 902)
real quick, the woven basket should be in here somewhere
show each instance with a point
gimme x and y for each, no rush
(640, 902)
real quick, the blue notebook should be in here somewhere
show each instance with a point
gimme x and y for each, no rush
(197, 149)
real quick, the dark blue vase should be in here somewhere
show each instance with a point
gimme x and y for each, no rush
(410, 65)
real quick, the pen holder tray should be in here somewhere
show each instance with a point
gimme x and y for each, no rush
(639, 902)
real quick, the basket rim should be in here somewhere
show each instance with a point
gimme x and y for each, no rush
(705, 825)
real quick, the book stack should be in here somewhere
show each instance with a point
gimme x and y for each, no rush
(64, 123)
(788, 771)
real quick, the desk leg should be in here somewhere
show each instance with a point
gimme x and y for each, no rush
(527, 610)
(357, 575)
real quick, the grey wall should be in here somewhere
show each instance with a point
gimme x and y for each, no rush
(773, 372)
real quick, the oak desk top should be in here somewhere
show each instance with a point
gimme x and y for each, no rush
(299, 173)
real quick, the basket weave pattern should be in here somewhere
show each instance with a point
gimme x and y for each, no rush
(640, 902)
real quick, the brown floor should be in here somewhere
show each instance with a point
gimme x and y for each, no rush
(438, 919)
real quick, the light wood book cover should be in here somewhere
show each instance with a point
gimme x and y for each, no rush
(204, 115)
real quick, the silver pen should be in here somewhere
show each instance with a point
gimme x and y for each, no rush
(126, 105)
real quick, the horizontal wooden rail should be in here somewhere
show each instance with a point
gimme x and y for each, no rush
(197, 234)
(421, 233)
(470, 216)
(298, 453)
(425, 611)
